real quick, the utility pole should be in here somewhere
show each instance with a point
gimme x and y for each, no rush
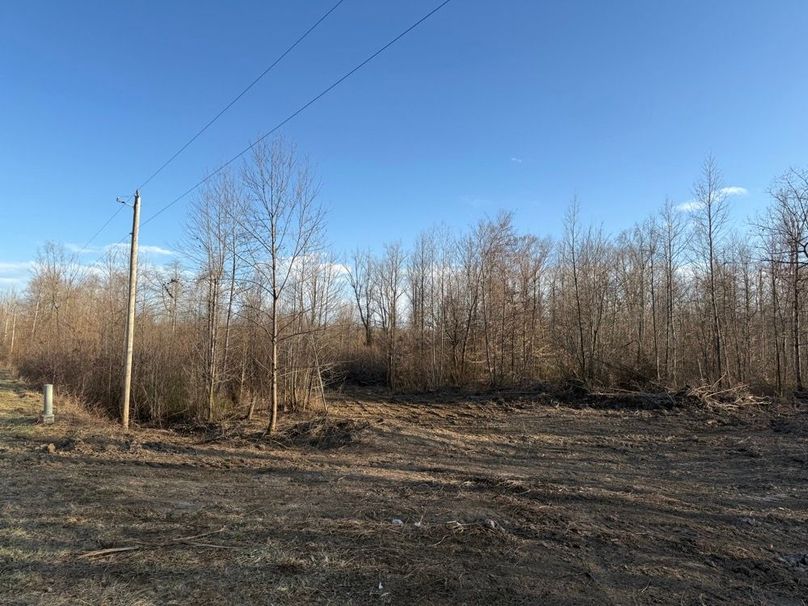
(130, 317)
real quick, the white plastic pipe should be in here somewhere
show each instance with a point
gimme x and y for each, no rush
(47, 409)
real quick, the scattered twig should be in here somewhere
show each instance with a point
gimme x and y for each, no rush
(144, 545)
(109, 551)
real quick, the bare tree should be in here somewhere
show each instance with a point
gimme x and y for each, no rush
(709, 219)
(210, 232)
(284, 224)
(389, 272)
(9, 308)
(361, 281)
(673, 244)
(789, 228)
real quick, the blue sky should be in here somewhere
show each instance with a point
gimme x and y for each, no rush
(516, 105)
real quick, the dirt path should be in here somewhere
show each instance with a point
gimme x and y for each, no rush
(499, 504)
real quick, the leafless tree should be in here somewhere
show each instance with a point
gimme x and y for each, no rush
(360, 278)
(284, 225)
(389, 276)
(709, 221)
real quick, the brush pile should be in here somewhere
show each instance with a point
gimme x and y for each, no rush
(714, 397)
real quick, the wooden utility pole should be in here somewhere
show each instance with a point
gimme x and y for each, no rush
(130, 317)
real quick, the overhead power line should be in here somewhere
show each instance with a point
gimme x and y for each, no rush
(298, 111)
(102, 228)
(210, 122)
(241, 94)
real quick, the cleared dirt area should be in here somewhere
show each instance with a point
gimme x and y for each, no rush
(459, 501)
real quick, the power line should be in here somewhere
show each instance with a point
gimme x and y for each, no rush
(219, 115)
(298, 111)
(242, 93)
(100, 229)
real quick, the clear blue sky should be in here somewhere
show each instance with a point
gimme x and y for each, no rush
(517, 104)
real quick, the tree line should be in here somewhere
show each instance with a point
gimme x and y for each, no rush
(259, 313)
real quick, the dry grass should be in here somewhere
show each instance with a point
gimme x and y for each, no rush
(457, 501)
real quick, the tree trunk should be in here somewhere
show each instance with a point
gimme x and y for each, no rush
(795, 322)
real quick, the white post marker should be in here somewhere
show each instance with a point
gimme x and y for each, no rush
(47, 408)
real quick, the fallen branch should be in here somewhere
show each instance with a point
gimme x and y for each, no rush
(143, 545)
(111, 550)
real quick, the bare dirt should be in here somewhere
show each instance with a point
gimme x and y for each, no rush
(415, 501)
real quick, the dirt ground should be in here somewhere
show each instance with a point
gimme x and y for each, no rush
(448, 501)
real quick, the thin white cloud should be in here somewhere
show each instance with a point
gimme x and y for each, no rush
(12, 281)
(734, 190)
(339, 269)
(144, 248)
(14, 274)
(14, 266)
(517, 160)
(687, 207)
(726, 192)
(17, 274)
(156, 250)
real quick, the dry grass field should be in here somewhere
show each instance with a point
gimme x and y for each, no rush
(442, 501)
